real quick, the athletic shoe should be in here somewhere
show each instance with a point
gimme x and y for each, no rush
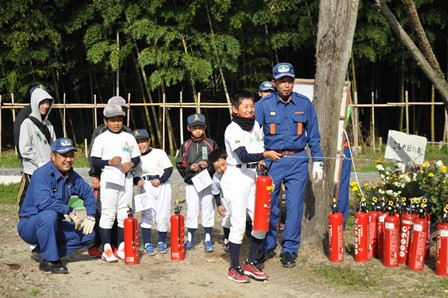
(288, 260)
(108, 256)
(226, 247)
(162, 247)
(237, 275)
(53, 267)
(189, 245)
(120, 251)
(94, 252)
(149, 250)
(253, 270)
(208, 246)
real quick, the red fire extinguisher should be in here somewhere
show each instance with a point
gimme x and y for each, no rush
(263, 190)
(407, 221)
(380, 248)
(336, 235)
(442, 245)
(362, 234)
(373, 230)
(391, 238)
(417, 250)
(177, 234)
(130, 238)
(428, 218)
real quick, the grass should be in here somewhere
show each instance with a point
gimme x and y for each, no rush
(9, 193)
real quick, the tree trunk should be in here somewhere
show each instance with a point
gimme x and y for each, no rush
(439, 82)
(336, 27)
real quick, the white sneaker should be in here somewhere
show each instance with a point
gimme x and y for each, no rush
(108, 256)
(120, 251)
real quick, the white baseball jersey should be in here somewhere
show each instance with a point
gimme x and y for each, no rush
(108, 145)
(235, 137)
(155, 162)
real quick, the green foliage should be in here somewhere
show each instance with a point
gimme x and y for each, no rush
(9, 193)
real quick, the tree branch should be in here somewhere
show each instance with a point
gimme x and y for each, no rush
(439, 83)
(425, 46)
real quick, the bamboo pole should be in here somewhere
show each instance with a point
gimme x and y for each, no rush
(181, 119)
(128, 111)
(406, 98)
(1, 127)
(64, 113)
(96, 112)
(373, 121)
(433, 136)
(163, 120)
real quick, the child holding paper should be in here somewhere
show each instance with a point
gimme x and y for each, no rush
(114, 149)
(154, 173)
(191, 160)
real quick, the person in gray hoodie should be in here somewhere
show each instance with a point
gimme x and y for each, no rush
(36, 135)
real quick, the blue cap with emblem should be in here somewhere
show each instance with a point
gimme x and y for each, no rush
(283, 69)
(265, 86)
(196, 119)
(62, 146)
(140, 134)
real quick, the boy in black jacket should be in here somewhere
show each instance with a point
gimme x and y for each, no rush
(190, 161)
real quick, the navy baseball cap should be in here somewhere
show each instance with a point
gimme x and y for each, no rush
(140, 134)
(112, 110)
(265, 86)
(283, 69)
(196, 119)
(62, 146)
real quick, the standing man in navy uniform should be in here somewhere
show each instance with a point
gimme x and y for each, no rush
(46, 202)
(289, 124)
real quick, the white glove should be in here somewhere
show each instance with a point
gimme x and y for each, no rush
(74, 217)
(88, 224)
(318, 170)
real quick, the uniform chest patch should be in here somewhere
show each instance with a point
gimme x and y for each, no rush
(272, 113)
(126, 149)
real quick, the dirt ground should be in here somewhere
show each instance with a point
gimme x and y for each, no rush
(204, 274)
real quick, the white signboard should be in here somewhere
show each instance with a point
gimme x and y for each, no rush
(403, 147)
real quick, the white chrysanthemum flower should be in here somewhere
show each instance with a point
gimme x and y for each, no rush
(380, 167)
(381, 191)
(389, 192)
(407, 179)
(439, 163)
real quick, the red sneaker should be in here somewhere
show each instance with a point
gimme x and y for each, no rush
(94, 252)
(237, 275)
(253, 270)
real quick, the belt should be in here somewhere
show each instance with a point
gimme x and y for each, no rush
(151, 177)
(20, 217)
(247, 165)
(287, 151)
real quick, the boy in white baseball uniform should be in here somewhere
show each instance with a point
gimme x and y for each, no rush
(153, 178)
(119, 149)
(244, 147)
(218, 160)
(190, 161)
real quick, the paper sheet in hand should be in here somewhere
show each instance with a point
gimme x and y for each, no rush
(202, 180)
(144, 201)
(113, 175)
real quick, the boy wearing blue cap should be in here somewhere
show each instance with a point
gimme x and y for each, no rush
(153, 176)
(190, 161)
(46, 203)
